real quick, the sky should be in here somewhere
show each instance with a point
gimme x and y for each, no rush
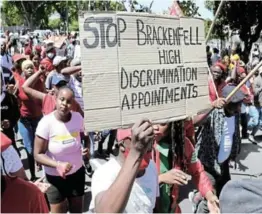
(160, 5)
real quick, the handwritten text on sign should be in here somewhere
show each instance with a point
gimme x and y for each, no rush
(140, 65)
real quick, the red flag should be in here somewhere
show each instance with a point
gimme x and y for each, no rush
(175, 10)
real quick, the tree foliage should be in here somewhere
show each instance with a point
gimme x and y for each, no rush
(54, 23)
(29, 13)
(35, 14)
(244, 16)
(189, 8)
(10, 14)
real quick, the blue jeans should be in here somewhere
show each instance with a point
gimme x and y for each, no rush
(27, 128)
(254, 119)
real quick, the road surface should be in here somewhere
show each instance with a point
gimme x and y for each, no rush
(248, 163)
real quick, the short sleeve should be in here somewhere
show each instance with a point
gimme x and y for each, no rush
(101, 181)
(11, 161)
(43, 128)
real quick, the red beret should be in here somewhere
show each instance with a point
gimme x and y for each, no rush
(17, 57)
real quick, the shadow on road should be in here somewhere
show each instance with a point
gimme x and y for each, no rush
(246, 149)
(258, 138)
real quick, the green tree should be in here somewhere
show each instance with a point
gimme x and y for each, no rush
(244, 16)
(54, 23)
(10, 14)
(189, 8)
(31, 13)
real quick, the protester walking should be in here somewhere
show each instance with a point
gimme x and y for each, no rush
(31, 113)
(58, 148)
(219, 141)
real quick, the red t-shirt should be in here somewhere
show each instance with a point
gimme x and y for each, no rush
(29, 107)
(21, 196)
(48, 64)
(49, 105)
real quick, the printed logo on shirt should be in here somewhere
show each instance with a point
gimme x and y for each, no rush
(66, 137)
(68, 141)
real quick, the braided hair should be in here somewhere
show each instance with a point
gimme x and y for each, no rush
(177, 139)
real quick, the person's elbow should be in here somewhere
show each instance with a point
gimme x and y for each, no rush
(104, 205)
(25, 88)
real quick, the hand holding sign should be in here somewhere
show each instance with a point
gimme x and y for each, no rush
(142, 135)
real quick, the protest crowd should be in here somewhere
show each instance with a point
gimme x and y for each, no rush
(42, 101)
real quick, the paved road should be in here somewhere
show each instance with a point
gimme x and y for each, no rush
(249, 163)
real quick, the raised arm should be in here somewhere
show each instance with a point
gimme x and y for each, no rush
(29, 83)
(115, 198)
(70, 70)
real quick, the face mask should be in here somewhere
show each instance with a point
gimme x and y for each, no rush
(50, 55)
(145, 161)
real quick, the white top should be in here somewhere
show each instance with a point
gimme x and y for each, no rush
(143, 195)
(12, 163)
(77, 53)
(64, 143)
(76, 86)
(227, 139)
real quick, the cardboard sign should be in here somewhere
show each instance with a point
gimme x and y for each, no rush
(139, 65)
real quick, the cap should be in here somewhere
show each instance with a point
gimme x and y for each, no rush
(75, 62)
(58, 79)
(237, 97)
(58, 59)
(18, 57)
